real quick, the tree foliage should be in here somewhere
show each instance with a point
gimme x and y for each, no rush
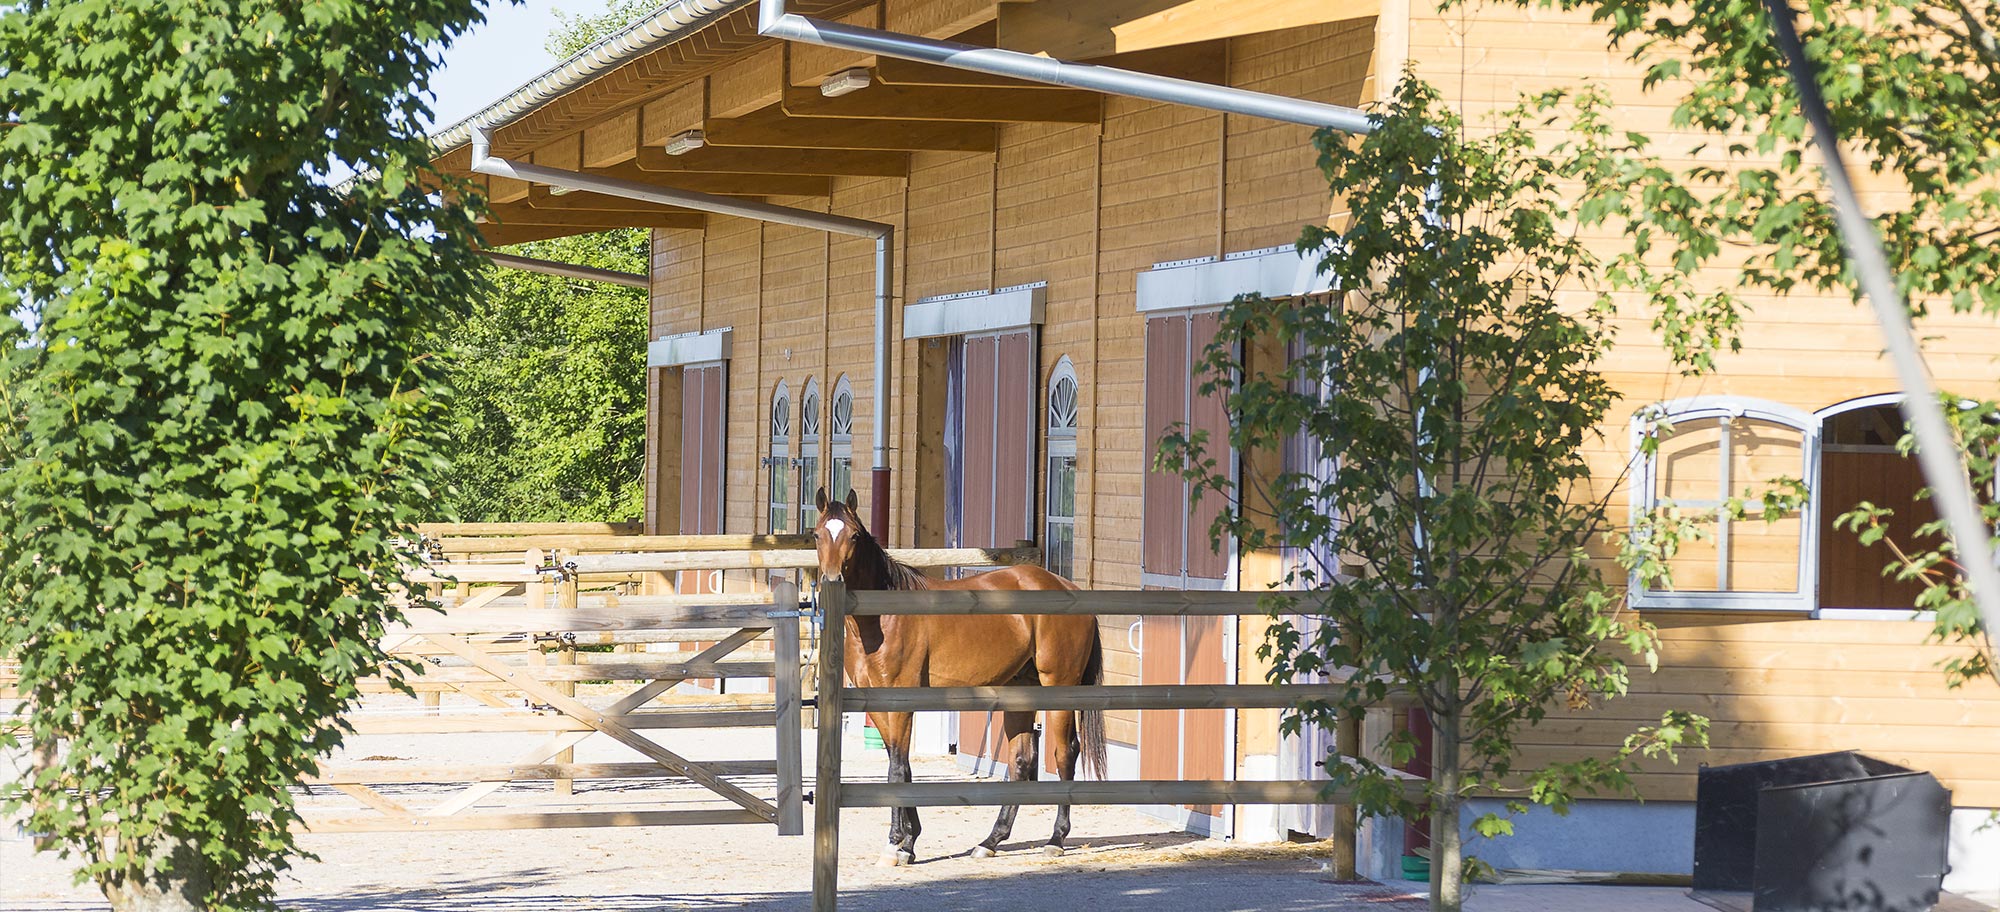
(576, 32)
(217, 422)
(548, 416)
(1913, 87)
(548, 419)
(1447, 397)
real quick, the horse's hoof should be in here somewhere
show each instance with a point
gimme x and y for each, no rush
(897, 859)
(981, 851)
(1052, 851)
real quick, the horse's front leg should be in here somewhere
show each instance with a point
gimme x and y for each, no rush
(903, 826)
(1020, 728)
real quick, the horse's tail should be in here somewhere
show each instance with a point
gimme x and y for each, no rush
(1090, 722)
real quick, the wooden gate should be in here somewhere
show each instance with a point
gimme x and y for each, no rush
(518, 648)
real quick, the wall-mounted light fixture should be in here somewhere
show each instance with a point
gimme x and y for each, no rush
(686, 141)
(853, 79)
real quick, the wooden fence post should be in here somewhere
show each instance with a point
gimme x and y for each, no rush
(1346, 824)
(787, 684)
(833, 600)
(566, 597)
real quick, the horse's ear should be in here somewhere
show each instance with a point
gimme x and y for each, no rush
(819, 500)
(853, 503)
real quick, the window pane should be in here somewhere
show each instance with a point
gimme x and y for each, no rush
(1759, 452)
(1690, 461)
(809, 483)
(840, 478)
(781, 500)
(1764, 557)
(1059, 532)
(1693, 567)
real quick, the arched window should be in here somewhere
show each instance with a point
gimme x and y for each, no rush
(1059, 522)
(840, 468)
(778, 465)
(808, 461)
(1713, 448)
(1859, 461)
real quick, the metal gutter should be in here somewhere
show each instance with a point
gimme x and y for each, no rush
(775, 22)
(567, 270)
(884, 235)
(672, 22)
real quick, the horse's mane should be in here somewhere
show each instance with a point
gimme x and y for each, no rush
(893, 574)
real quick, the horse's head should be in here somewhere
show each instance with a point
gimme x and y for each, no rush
(837, 535)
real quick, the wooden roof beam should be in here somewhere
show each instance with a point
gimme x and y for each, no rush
(493, 235)
(752, 160)
(541, 198)
(772, 128)
(949, 104)
(724, 183)
(1067, 30)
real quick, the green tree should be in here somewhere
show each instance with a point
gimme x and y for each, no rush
(549, 418)
(1914, 91)
(216, 424)
(578, 31)
(1452, 388)
(549, 409)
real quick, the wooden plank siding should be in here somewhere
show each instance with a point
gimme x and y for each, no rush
(1772, 688)
(1086, 207)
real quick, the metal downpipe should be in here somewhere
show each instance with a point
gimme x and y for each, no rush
(483, 162)
(775, 22)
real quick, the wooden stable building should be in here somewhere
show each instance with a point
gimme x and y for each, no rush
(1056, 261)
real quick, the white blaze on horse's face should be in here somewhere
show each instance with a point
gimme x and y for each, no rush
(832, 549)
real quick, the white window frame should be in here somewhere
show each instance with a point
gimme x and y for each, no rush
(806, 463)
(1061, 438)
(840, 428)
(778, 455)
(1644, 497)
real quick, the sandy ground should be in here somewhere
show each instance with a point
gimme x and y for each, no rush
(1119, 859)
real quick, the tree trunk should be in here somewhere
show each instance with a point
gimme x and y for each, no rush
(172, 877)
(1447, 853)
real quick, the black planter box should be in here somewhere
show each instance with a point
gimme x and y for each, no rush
(1825, 833)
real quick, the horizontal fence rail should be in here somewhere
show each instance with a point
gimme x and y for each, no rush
(801, 559)
(1029, 698)
(1162, 602)
(1131, 791)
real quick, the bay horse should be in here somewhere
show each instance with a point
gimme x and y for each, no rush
(919, 650)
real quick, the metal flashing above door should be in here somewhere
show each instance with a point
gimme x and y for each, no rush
(967, 313)
(689, 348)
(1274, 272)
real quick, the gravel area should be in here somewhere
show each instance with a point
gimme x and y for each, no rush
(1119, 859)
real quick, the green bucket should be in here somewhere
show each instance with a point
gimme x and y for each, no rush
(870, 738)
(1416, 867)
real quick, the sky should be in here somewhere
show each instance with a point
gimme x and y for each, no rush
(498, 57)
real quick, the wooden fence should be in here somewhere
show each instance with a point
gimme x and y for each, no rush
(521, 637)
(831, 794)
(516, 608)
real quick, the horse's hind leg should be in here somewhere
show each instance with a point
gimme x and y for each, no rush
(1020, 727)
(1061, 731)
(903, 827)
